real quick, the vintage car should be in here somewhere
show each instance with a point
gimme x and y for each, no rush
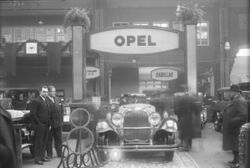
(203, 116)
(136, 126)
(21, 121)
(21, 97)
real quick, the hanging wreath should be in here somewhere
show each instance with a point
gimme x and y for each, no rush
(189, 14)
(77, 17)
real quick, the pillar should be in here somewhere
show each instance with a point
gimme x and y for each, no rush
(79, 63)
(98, 25)
(191, 58)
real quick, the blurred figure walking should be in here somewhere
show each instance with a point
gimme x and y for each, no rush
(188, 109)
(234, 116)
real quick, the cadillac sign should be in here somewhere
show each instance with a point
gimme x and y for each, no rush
(164, 74)
(92, 72)
(134, 41)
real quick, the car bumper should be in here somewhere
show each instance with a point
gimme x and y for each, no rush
(138, 148)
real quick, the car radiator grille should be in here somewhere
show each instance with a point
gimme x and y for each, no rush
(135, 120)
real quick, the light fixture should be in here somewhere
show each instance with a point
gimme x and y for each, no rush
(227, 45)
(179, 8)
(178, 11)
(40, 22)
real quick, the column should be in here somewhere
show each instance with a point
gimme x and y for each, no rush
(79, 63)
(191, 58)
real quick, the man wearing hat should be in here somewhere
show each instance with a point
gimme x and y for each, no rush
(234, 116)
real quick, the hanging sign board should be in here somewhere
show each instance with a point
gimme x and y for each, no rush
(134, 41)
(31, 48)
(92, 72)
(164, 74)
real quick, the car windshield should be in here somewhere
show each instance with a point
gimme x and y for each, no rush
(20, 97)
(223, 95)
(132, 99)
(246, 95)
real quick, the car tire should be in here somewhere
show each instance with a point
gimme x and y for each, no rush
(169, 155)
(103, 156)
(102, 140)
(217, 128)
(31, 147)
(202, 125)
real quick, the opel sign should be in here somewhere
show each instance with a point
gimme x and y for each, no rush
(164, 74)
(134, 41)
(92, 72)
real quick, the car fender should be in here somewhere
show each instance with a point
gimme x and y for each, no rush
(169, 125)
(103, 126)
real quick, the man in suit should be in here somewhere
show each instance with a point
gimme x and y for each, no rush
(56, 117)
(234, 116)
(40, 120)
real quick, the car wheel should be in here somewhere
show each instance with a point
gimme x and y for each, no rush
(102, 140)
(217, 127)
(169, 155)
(103, 156)
(202, 125)
(31, 147)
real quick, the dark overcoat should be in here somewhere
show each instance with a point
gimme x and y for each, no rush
(56, 112)
(8, 150)
(188, 110)
(39, 111)
(234, 116)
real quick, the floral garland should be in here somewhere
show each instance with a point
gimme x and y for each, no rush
(189, 15)
(77, 17)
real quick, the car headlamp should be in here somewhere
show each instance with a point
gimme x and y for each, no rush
(171, 125)
(117, 119)
(165, 114)
(138, 108)
(155, 119)
(102, 125)
(113, 107)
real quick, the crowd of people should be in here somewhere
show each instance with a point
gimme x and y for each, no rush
(235, 116)
(46, 115)
(47, 119)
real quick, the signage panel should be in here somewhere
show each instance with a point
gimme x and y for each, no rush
(92, 72)
(31, 48)
(164, 74)
(134, 41)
